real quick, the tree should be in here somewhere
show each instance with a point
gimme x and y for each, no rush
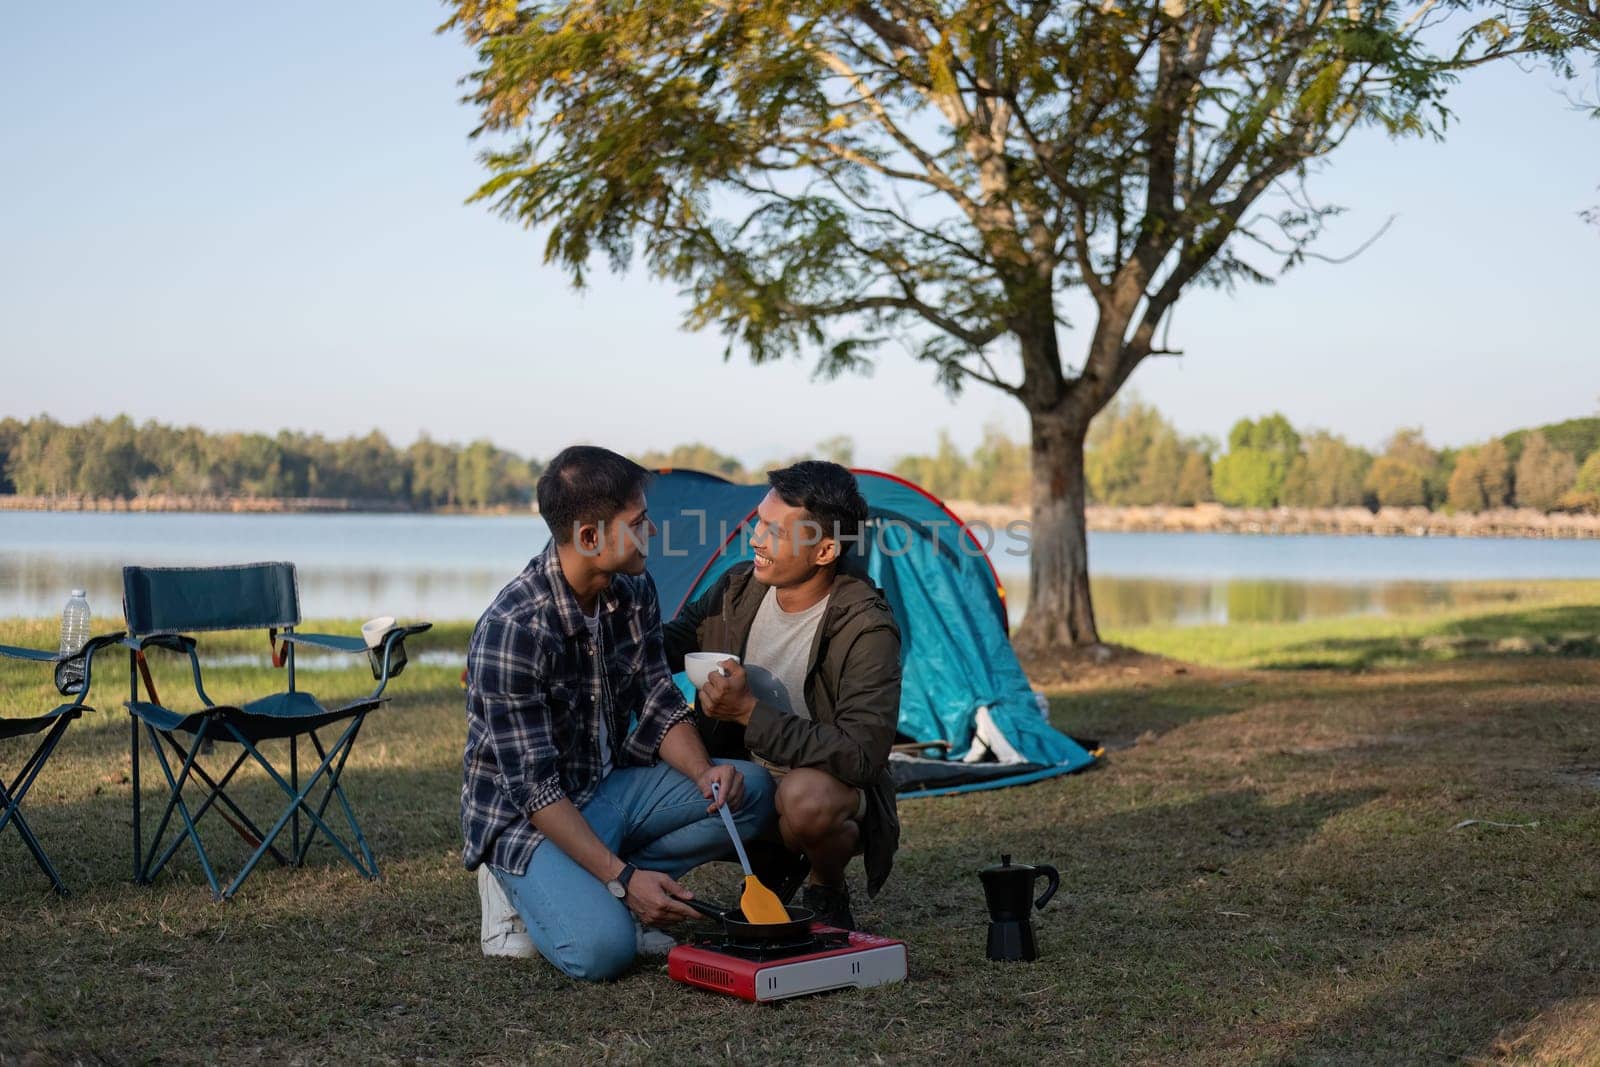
(1481, 479)
(1544, 474)
(840, 449)
(1328, 473)
(10, 433)
(942, 474)
(1132, 455)
(1162, 467)
(998, 470)
(699, 457)
(1394, 483)
(1253, 473)
(433, 473)
(1410, 448)
(1409, 474)
(1579, 438)
(1194, 481)
(1588, 480)
(1466, 484)
(826, 176)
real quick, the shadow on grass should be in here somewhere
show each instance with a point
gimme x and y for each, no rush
(403, 784)
(1465, 1007)
(1568, 630)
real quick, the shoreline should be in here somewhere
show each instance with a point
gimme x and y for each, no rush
(208, 505)
(1521, 523)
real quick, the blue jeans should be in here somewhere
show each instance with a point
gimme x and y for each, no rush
(655, 819)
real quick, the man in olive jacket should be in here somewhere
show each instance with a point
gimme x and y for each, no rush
(815, 697)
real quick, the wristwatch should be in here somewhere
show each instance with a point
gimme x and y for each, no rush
(618, 886)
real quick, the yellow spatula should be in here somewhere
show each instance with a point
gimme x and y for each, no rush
(759, 904)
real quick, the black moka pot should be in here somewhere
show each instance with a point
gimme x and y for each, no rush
(1008, 888)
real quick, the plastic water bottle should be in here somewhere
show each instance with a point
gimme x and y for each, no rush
(74, 635)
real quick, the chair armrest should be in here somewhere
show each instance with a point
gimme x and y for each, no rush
(179, 643)
(332, 642)
(12, 652)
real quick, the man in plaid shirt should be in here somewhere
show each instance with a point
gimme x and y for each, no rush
(578, 825)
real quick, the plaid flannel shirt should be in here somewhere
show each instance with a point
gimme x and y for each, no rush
(536, 688)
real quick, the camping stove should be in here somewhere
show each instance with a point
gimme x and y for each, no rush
(828, 959)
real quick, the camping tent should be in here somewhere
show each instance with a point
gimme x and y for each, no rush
(963, 695)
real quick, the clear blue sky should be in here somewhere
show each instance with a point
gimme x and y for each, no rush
(249, 217)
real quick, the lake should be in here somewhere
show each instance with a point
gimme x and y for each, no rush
(449, 566)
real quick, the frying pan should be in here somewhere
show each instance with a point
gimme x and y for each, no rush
(798, 928)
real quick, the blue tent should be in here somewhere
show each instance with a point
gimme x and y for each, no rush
(964, 696)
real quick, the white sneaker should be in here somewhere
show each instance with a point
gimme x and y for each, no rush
(502, 932)
(653, 942)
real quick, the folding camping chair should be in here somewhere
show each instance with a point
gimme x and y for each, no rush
(53, 724)
(163, 605)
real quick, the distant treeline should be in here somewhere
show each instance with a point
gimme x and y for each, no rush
(1134, 456)
(119, 459)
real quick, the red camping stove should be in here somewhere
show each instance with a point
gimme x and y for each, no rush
(828, 959)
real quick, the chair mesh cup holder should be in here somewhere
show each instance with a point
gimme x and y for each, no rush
(397, 658)
(386, 633)
(69, 675)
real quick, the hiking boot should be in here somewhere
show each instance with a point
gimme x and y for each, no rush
(501, 931)
(831, 904)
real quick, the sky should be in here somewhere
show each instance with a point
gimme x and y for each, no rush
(253, 217)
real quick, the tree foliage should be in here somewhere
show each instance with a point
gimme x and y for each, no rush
(1256, 468)
(1135, 456)
(1544, 474)
(1481, 479)
(1329, 472)
(1579, 438)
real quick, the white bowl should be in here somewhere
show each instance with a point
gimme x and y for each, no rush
(699, 665)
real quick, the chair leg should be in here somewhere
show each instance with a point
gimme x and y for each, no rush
(133, 760)
(26, 833)
(294, 783)
(175, 803)
(244, 826)
(11, 800)
(217, 793)
(335, 788)
(297, 800)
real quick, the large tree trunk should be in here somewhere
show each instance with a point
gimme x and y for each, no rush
(1060, 612)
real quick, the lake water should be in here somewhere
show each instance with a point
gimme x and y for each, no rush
(449, 566)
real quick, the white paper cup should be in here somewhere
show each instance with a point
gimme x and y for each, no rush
(699, 665)
(372, 630)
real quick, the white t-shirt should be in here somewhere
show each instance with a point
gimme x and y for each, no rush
(777, 652)
(593, 622)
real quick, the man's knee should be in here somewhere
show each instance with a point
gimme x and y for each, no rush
(813, 804)
(603, 952)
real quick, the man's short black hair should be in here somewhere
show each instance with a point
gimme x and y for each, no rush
(584, 484)
(830, 495)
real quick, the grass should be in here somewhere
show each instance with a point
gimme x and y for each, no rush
(1269, 868)
(1562, 617)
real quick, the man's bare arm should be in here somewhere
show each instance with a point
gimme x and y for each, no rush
(650, 893)
(685, 752)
